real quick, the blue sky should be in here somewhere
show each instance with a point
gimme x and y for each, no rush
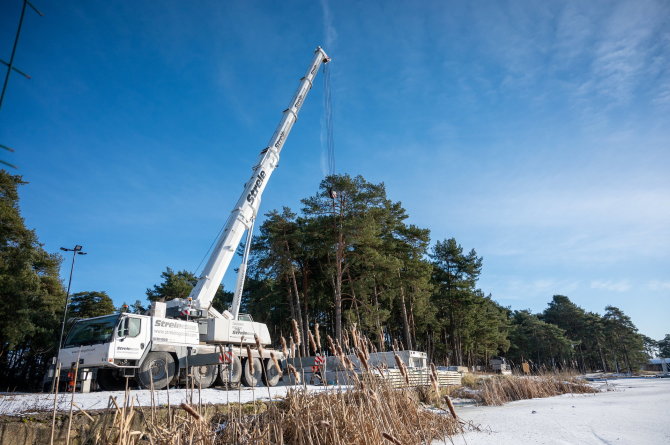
(535, 132)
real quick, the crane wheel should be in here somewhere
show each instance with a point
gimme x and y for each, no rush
(158, 367)
(272, 375)
(249, 378)
(203, 376)
(230, 373)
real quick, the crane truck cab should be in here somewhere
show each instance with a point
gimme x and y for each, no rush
(154, 351)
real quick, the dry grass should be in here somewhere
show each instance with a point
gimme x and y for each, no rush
(497, 390)
(360, 416)
(470, 380)
(372, 413)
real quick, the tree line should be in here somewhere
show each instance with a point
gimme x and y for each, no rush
(351, 258)
(348, 258)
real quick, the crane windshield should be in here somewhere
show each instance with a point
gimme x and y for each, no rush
(92, 331)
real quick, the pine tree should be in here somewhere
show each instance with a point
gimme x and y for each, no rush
(31, 288)
(625, 343)
(664, 347)
(90, 304)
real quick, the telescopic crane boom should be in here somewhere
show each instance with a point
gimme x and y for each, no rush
(241, 219)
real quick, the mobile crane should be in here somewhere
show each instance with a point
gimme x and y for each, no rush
(188, 335)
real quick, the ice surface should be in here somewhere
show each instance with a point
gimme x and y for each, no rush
(627, 411)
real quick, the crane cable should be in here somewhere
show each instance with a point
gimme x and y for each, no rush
(327, 141)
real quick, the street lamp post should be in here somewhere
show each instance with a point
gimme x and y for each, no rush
(76, 250)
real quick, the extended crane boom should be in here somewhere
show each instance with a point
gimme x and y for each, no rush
(244, 212)
(208, 346)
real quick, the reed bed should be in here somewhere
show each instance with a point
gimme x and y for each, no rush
(369, 412)
(498, 390)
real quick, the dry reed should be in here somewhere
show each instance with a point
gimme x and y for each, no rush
(295, 374)
(275, 363)
(317, 336)
(296, 332)
(373, 413)
(312, 343)
(250, 361)
(498, 390)
(284, 349)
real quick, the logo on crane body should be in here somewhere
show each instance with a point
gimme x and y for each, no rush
(257, 185)
(298, 102)
(279, 140)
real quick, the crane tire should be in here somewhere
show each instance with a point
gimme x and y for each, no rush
(255, 378)
(271, 376)
(204, 375)
(159, 367)
(230, 373)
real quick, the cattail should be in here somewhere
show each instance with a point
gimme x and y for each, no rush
(331, 345)
(293, 371)
(258, 345)
(366, 347)
(452, 410)
(401, 365)
(292, 346)
(391, 439)
(433, 378)
(317, 336)
(345, 338)
(405, 373)
(397, 360)
(436, 386)
(284, 349)
(296, 332)
(312, 343)
(363, 360)
(250, 360)
(339, 348)
(275, 362)
(354, 337)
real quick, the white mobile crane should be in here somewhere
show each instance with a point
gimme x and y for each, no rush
(189, 334)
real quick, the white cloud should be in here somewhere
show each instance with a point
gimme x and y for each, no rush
(517, 289)
(657, 285)
(612, 286)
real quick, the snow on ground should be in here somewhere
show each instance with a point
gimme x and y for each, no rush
(627, 411)
(22, 403)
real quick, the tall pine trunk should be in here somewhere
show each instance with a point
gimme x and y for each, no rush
(405, 319)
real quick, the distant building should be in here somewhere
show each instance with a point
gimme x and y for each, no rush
(658, 365)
